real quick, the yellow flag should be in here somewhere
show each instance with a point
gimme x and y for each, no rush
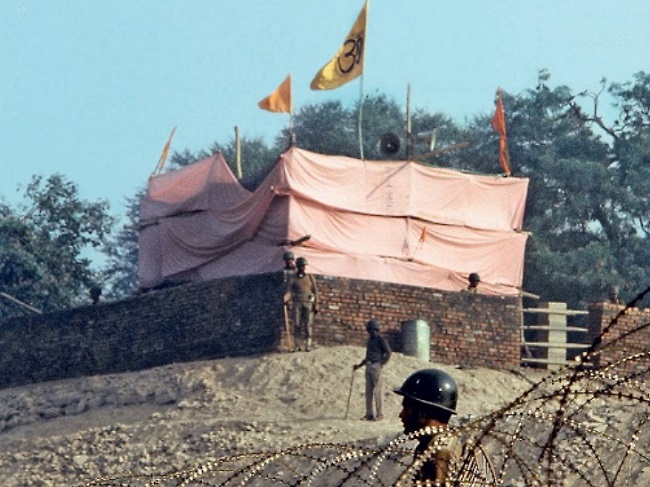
(347, 63)
(280, 100)
(165, 153)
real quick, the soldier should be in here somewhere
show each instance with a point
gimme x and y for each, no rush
(95, 293)
(429, 400)
(474, 280)
(377, 355)
(289, 265)
(302, 294)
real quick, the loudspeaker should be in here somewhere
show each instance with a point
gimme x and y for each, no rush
(389, 144)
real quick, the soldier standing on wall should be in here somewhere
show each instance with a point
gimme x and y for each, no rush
(289, 266)
(301, 292)
(474, 280)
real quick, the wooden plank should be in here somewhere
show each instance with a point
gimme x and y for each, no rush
(549, 311)
(555, 328)
(557, 345)
(550, 362)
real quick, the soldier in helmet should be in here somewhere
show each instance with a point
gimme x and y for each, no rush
(302, 294)
(289, 265)
(377, 355)
(474, 280)
(429, 400)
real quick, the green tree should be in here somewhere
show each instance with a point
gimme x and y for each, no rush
(45, 246)
(119, 277)
(328, 128)
(256, 156)
(581, 203)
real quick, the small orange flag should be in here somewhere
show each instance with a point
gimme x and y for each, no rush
(280, 100)
(499, 124)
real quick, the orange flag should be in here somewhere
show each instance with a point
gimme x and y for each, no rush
(499, 124)
(280, 100)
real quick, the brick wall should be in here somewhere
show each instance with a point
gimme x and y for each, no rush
(243, 316)
(616, 344)
(469, 329)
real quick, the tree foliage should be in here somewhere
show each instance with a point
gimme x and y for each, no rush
(119, 277)
(44, 246)
(587, 196)
(255, 155)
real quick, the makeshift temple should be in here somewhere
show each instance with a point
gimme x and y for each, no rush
(393, 221)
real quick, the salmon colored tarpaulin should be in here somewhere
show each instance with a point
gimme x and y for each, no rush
(391, 221)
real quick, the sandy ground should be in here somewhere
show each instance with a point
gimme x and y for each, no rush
(73, 431)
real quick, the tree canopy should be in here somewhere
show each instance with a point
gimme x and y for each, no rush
(44, 246)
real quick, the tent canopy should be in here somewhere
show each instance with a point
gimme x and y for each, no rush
(391, 221)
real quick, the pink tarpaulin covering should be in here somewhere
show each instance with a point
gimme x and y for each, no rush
(391, 221)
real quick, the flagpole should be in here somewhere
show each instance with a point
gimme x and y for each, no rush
(409, 140)
(366, 7)
(292, 135)
(238, 153)
(360, 121)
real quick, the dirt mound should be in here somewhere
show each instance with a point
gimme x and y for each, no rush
(72, 431)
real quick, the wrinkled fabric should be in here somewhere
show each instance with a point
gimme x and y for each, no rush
(392, 221)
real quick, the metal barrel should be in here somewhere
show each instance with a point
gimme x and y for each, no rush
(416, 339)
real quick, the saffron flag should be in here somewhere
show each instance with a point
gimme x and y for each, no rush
(280, 100)
(347, 63)
(499, 124)
(165, 153)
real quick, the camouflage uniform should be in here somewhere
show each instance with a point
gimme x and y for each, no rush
(302, 293)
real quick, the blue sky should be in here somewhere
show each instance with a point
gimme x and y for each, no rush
(92, 88)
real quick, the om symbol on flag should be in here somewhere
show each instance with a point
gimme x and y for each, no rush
(353, 51)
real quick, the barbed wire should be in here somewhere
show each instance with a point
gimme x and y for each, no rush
(578, 426)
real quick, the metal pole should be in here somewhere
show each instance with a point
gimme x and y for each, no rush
(409, 142)
(20, 303)
(360, 120)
